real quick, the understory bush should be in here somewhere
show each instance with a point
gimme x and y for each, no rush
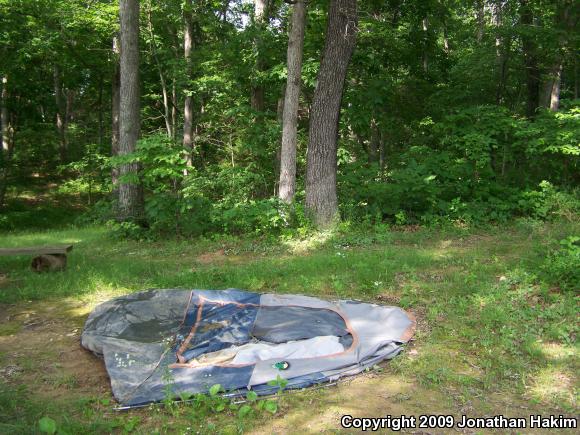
(562, 266)
(467, 167)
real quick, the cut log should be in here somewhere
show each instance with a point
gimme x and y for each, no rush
(49, 263)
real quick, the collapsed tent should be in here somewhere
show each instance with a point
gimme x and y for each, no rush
(189, 340)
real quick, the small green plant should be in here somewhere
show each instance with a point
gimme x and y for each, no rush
(47, 425)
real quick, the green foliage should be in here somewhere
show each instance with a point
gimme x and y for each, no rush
(89, 176)
(562, 267)
(47, 425)
(463, 169)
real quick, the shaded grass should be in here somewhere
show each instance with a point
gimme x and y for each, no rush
(487, 321)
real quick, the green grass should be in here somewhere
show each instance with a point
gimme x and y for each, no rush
(488, 321)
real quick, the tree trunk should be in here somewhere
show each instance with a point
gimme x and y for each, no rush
(375, 142)
(257, 93)
(100, 132)
(555, 94)
(173, 109)
(321, 196)
(425, 60)
(5, 136)
(287, 187)
(60, 115)
(550, 92)
(115, 107)
(565, 22)
(530, 61)
(480, 16)
(382, 152)
(501, 51)
(5, 148)
(188, 109)
(162, 80)
(130, 192)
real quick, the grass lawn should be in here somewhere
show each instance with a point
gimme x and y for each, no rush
(493, 337)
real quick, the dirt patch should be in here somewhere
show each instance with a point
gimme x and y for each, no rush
(45, 355)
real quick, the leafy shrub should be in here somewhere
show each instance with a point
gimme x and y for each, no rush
(463, 168)
(548, 203)
(562, 266)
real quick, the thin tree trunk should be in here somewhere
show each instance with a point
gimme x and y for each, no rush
(130, 191)
(555, 95)
(115, 107)
(321, 195)
(257, 92)
(530, 61)
(374, 143)
(576, 87)
(5, 148)
(425, 24)
(188, 109)
(5, 136)
(480, 16)
(501, 51)
(60, 115)
(100, 132)
(565, 21)
(164, 92)
(382, 152)
(173, 109)
(287, 187)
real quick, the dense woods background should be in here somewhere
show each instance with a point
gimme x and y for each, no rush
(462, 111)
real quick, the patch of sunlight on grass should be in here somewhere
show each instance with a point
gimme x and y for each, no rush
(554, 384)
(101, 292)
(555, 351)
(52, 237)
(315, 241)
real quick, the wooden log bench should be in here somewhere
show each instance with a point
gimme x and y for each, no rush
(46, 258)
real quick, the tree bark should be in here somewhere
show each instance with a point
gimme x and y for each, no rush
(130, 191)
(565, 21)
(480, 16)
(287, 187)
(530, 61)
(425, 60)
(162, 80)
(321, 195)
(257, 92)
(100, 133)
(375, 142)
(115, 107)
(5, 137)
(501, 50)
(5, 148)
(60, 119)
(188, 109)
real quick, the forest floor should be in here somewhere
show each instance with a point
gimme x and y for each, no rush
(493, 338)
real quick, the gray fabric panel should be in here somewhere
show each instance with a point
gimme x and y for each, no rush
(376, 323)
(281, 324)
(375, 326)
(148, 317)
(129, 364)
(188, 380)
(272, 300)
